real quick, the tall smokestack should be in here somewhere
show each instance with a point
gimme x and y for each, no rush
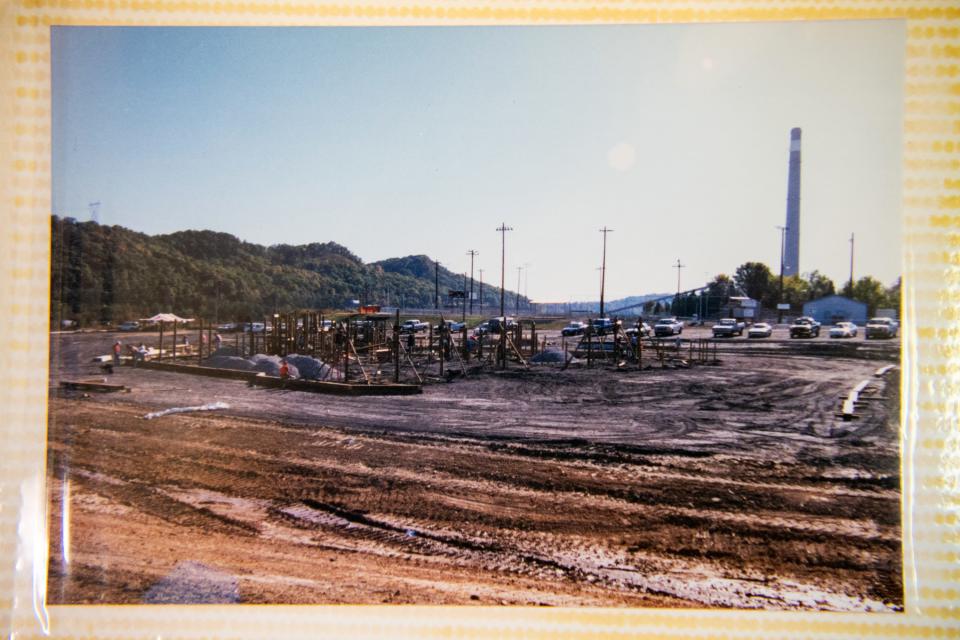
(791, 259)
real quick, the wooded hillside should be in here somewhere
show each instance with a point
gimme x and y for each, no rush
(110, 273)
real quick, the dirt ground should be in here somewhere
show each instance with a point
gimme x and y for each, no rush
(715, 486)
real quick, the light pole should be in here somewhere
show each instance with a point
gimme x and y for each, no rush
(783, 235)
(678, 266)
(503, 228)
(471, 253)
(517, 298)
(851, 265)
(603, 268)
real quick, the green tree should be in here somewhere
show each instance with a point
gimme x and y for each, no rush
(893, 296)
(796, 291)
(820, 285)
(870, 291)
(755, 280)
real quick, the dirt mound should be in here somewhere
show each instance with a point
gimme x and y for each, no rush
(551, 356)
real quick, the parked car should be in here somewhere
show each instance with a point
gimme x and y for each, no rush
(804, 327)
(481, 329)
(667, 327)
(574, 329)
(843, 330)
(452, 326)
(494, 324)
(603, 326)
(129, 325)
(728, 327)
(227, 327)
(254, 327)
(881, 328)
(413, 326)
(760, 330)
(641, 328)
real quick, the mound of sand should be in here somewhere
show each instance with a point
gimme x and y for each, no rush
(270, 365)
(309, 368)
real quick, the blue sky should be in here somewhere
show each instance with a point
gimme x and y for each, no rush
(397, 141)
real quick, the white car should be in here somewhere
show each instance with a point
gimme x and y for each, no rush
(760, 330)
(843, 330)
(129, 325)
(667, 327)
(881, 328)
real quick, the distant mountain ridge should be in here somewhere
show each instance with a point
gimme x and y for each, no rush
(110, 273)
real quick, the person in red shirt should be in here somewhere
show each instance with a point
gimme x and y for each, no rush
(284, 370)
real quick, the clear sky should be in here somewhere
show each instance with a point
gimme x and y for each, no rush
(398, 141)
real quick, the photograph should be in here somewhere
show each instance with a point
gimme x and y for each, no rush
(521, 316)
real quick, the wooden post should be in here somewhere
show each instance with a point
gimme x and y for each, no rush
(463, 343)
(174, 340)
(346, 354)
(429, 343)
(160, 348)
(396, 347)
(200, 343)
(441, 343)
(589, 334)
(502, 345)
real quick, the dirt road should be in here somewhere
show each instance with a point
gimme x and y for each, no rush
(730, 486)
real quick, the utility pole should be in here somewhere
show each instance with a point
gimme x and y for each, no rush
(783, 235)
(603, 268)
(678, 266)
(503, 228)
(436, 284)
(526, 282)
(481, 292)
(851, 264)
(517, 298)
(471, 253)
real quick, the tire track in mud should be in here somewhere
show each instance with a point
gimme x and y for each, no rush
(597, 486)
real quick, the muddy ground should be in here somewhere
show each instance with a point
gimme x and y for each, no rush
(722, 486)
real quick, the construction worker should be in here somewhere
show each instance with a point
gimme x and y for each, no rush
(217, 341)
(116, 353)
(284, 369)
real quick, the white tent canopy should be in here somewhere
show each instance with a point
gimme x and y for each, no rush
(166, 317)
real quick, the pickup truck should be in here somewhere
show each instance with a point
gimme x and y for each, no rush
(880, 328)
(413, 326)
(728, 327)
(805, 327)
(667, 327)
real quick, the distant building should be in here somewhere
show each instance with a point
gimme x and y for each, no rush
(832, 309)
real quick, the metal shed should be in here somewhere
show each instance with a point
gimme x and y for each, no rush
(831, 309)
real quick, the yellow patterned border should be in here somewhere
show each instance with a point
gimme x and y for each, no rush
(931, 380)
